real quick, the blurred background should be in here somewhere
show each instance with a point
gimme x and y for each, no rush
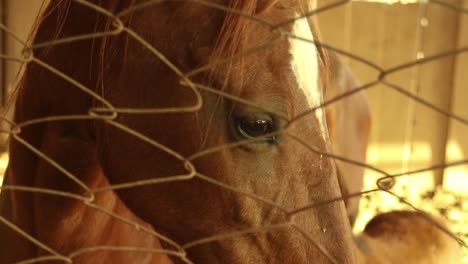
(406, 135)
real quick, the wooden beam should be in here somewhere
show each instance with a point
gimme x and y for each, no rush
(456, 178)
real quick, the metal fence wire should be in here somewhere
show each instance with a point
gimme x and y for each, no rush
(108, 112)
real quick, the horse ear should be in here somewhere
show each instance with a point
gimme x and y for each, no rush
(349, 123)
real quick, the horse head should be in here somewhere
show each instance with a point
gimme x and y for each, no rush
(209, 109)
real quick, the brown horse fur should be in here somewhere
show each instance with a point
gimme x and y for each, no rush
(349, 123)
(406, 237)
(76, 225)
(128, 75)
(393, 237)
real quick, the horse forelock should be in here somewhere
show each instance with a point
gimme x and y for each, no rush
(232, 37)
(231, 40)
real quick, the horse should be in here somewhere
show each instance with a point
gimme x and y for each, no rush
(392, 237)
(228, 166)
(181, 132)
(349, 122)
(406, 237)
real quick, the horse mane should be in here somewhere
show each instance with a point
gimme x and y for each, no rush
(230, 41)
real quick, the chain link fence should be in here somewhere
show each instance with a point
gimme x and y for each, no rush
(446, 203)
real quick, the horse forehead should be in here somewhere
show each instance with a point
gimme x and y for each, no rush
(304, 60)
(297, 57)
(304, 63)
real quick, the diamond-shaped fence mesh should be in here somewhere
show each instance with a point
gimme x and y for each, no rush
(395, 82)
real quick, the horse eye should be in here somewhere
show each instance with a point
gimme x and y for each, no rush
(255, 125)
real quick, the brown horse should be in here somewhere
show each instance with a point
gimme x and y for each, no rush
(186, 183)
(349, 123)
(406, 237)
(281, 78)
